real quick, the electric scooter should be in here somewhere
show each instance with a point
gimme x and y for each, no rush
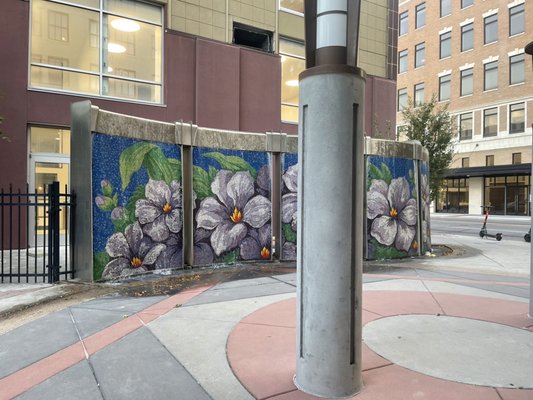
(483, 232)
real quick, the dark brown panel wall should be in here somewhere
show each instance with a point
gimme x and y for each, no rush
(380, 107)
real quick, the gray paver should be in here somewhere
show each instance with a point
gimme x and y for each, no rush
(75, 383)
(139, 367)
(243, 292)
(504, 289)
(287, 278)
(35, 340)
(90, 320)
(455, 349)
(121, 303)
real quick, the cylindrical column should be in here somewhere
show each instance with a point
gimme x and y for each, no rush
(331, 33)
(330, 231)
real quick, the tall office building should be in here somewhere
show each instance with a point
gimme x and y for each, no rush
(470, 54)
(226, 64)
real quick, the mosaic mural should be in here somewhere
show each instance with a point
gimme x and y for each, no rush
(289, 206)
(392, 210)
(425, 202)
(137, 208)
(232, 215)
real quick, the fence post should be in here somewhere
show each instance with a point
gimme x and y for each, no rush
(53, 232)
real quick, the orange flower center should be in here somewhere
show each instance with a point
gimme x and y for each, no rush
(136, 262)
(414, 245)
(236, 217)
(167, 208)
(265, 253)
(393, 212)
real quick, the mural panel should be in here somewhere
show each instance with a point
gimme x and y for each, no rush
(425, 202)
(289, 203)
(137, 208)
(392, 208)
(232, 215)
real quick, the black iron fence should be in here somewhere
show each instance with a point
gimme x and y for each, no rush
(36, 235)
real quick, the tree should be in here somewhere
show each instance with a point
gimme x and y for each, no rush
(434, 127)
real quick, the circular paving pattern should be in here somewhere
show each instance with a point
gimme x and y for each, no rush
(435, 346)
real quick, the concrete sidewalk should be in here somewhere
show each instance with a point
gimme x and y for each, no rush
(428, 334)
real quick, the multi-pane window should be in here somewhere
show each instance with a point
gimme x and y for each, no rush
(420, 55)
(466, 3)
(517, 158)
(465, 162)
(467, 81)
(465, 126)
(293, 62)
(517, 115)
(122, 59)
(419, 93)
(446, 45)
(404, 23)
(516, 20)
(516, 69)
(402, 61)
(402, 99)
(420, 19)
(467, 37)
(445, 83)
(296, 6)
(490, 122)
(489, 160)
(490, 77)
(491, 28)
(445, 7)
(58, 26)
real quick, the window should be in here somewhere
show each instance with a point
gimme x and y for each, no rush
(490, 75)
(516, 69)
(466, 3)
(296, 6)
(517, 115)
(419, 94)
(490, 122)
(517, 158)
(401, 132)
(491, 28)
(446, 45)
(404, 23)
(250, 36)
(130, 64)
(402, 99)
(489, 160)
(467, 81)
(292, 63)
(445, 83)
(420, 19)
(402, 64)
(467, 37)
(516, 20)
(445, 7)
(420, 55)
(58, 26)
(465, 126)
(465, 162)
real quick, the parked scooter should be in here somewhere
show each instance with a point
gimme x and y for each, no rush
(483, 232)
(527, 236)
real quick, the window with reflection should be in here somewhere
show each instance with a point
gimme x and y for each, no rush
(123, 59)
(420, 17)
(517, 118)
(491, 28)
(419, 94)
(402, 99)
(420, 55)
(467, 81)
(292, 63)
(467, 37)
(466, 3)
(517, 69)
(445, 87)
(446, 45)
(402, 63)
(516, 20)
(490, 78)
(404, 23)
(296, 6)
(445, 7)
(465, 126)
(490, 122)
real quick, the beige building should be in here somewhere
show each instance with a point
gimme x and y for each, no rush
(470, 54)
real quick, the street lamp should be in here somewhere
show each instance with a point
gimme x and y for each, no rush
(529, 50)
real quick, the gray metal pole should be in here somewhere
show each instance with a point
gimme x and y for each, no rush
(529, 50)
(330, 209)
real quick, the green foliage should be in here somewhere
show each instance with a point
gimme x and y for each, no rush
(201, 183)
(232, 163)
(382, 173)
(382, 252)
(176, 166)
(288, 233)
(129, 210)
(232, 257)
(435, 129)
(132, 159)
(100, 260)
